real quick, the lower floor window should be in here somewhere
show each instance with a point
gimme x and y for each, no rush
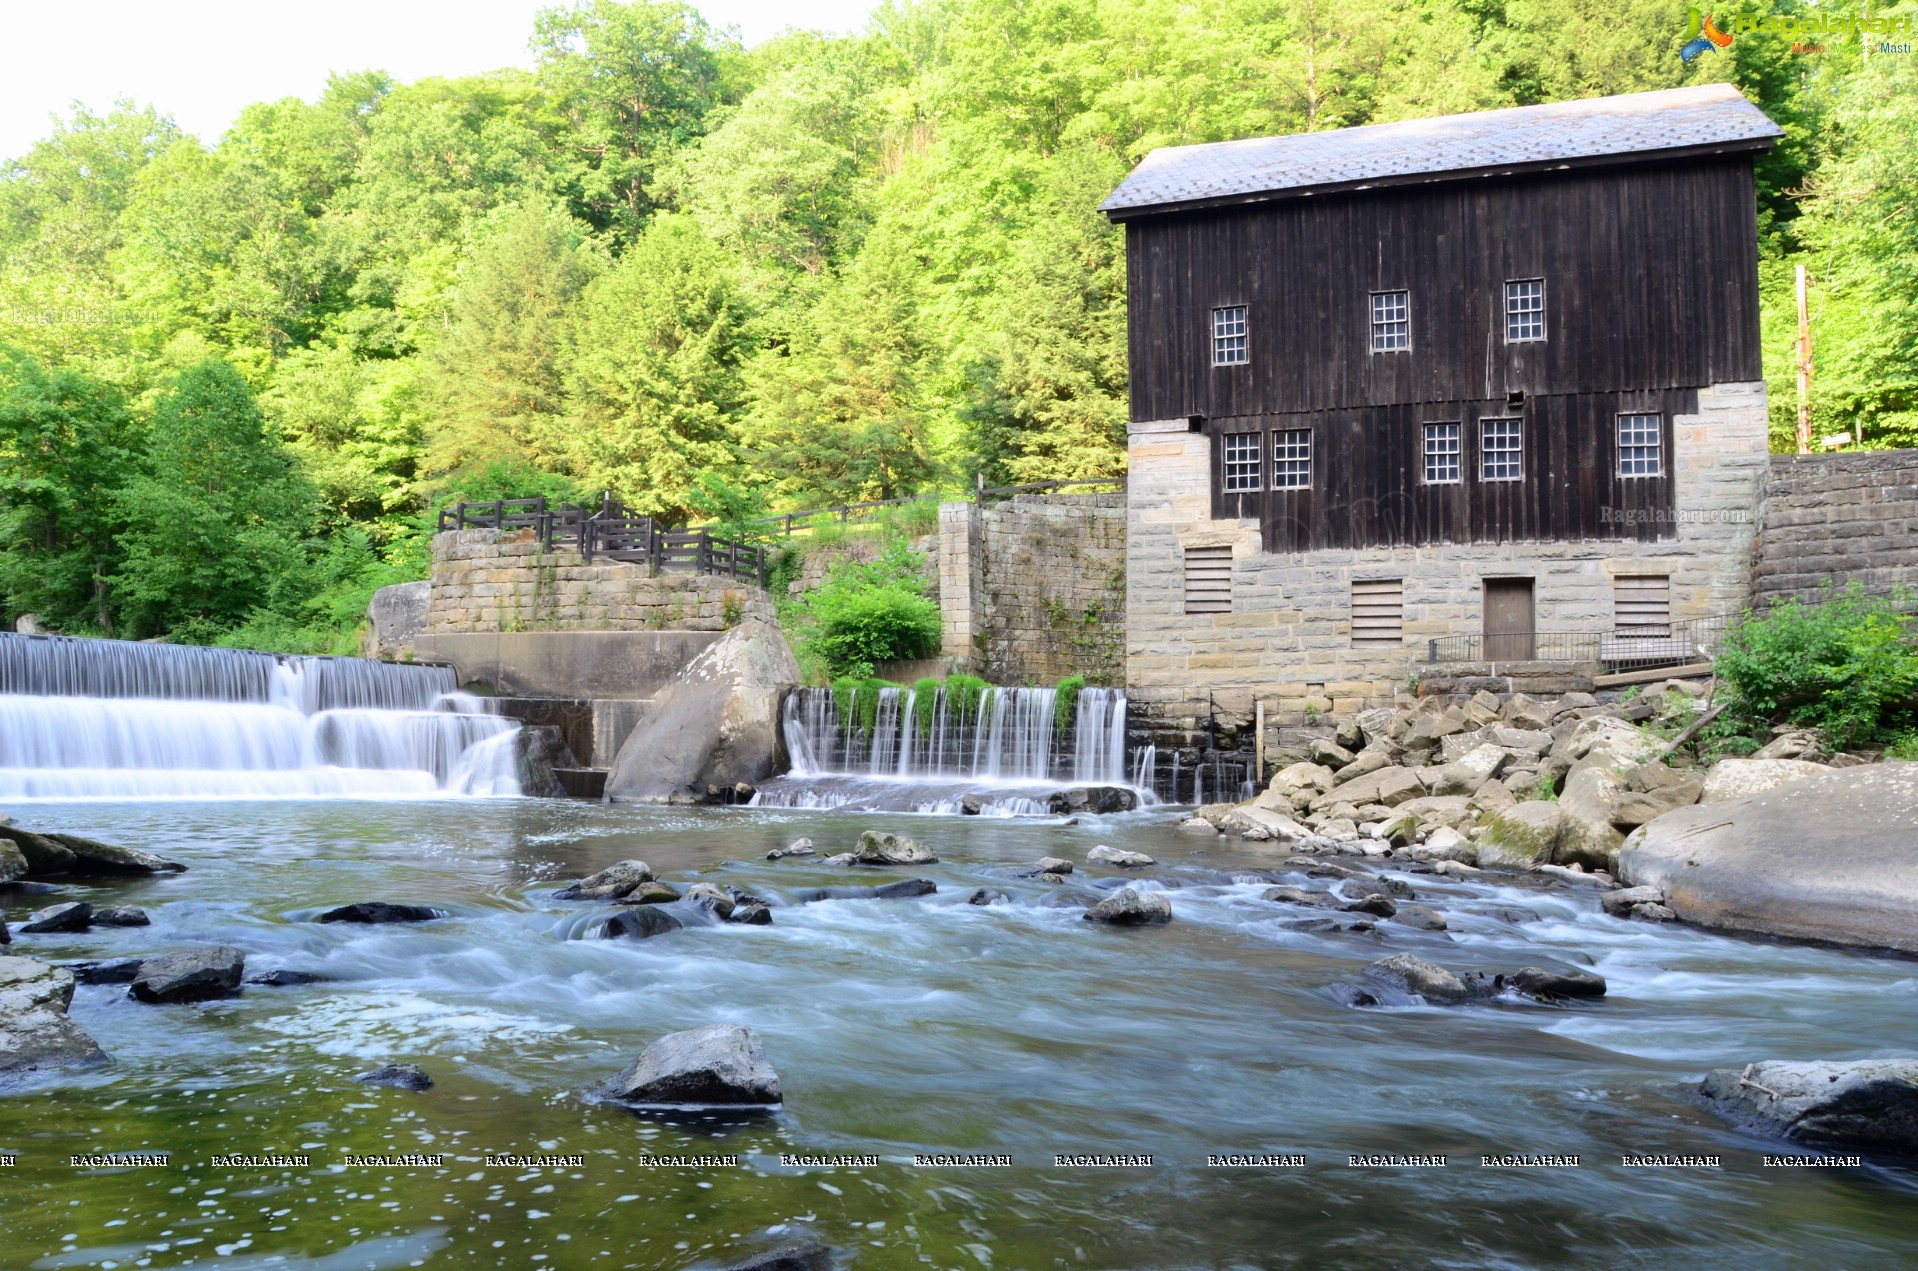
(1292, 459)
(1501, 455)
(1242, 462)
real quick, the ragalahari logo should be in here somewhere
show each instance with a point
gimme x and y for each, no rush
(1701, 36)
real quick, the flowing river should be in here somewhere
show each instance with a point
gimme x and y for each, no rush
(899, 1028)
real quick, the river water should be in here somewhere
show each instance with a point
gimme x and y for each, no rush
(902, 1028)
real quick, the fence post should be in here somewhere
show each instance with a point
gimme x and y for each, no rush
(978, 488)
(732, 559)
(760, 552)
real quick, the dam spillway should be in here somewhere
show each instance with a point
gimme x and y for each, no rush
(94, 719)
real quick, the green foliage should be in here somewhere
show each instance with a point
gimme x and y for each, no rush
(728, 510)
(925, 704)
(217, 516)
(1847, 665)
(1547, 788)
(65, 443)
(965, 694)
(856, 698)
(859, 626)
(1065, 700)
(1903, 746)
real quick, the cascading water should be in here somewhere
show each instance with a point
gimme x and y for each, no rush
(109, 719)
(1001, 752)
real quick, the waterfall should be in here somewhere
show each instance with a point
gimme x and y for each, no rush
(110, 719)
(982, 753)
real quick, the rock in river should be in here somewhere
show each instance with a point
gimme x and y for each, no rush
(190, 976)
(788, 1258)
(1418, 978)
(988, 896)
(1832, 857)
(116, 971)
(1132, 908)
(1103, 855)
(721, 1064)
(1051, 865)
(798, 847)
(75, 915)
(398, 1076)
(877, 847)
(35, 1032)
(1536, 982)
(380, 911)
(637, 923)
(610, 883)
(904, 889)
(653, 893)
(1868, 1103)
(121, 916)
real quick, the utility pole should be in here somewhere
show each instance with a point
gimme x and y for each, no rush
(1804, 369)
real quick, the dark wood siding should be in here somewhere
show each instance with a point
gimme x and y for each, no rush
(1651, 275)
(1368, 479)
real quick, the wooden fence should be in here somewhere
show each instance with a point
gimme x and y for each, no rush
(612, 533)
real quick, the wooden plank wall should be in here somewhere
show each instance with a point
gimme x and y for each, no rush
(1651, 279)
(1368, 476)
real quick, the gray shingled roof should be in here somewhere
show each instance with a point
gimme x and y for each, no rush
(1676, 119)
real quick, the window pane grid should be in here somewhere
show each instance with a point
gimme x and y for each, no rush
(1228, 336)
(1525, 310)
(1442, 454)
(1391, 325)
(1501, 457)
(1638, 446)
(1292, 459)
(1242, 462)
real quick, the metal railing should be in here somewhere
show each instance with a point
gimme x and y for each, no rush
(1630, 648)
(612, 533)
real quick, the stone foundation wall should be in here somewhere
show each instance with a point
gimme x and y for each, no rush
(500, 580)
(1034, 589)
(1198, 679)
(1837, 517)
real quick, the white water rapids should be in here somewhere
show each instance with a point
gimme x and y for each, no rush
(88, 719)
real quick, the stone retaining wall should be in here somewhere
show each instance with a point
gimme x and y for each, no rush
(1034, 589)
(1837, 517)
(500, 580)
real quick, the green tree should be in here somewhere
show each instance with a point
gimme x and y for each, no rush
(217, 517)
(629, 84)
(654, 381)
(64, 441)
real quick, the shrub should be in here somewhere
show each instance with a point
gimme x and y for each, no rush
(857, 699)
(1064, 699)
(925, 704)
(1847, 665)
(964, 695)
(869, 612)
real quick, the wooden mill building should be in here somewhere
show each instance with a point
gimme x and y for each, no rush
(1485, 380)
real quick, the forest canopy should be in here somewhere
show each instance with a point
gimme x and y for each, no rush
(819, 269)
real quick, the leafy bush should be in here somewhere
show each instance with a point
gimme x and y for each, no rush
(872, 611)
(925, 704)
(1064, 699)
(1847, 665)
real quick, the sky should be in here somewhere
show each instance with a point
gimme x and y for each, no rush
(202, 60)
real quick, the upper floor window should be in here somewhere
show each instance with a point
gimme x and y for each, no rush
(1501, 454)
(1639, 446)
(1391, 321)
(1242, 462)
(1525, 310)
(1292, 459)
(1228, 336)
(1442, 454)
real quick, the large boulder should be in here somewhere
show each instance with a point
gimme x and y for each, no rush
(396, 616)
(878, 847)
(638, 923)
(612, 883)
(72, 915)
(91, 857)
(1415, 977)
(714, 726)
(1132, 908)
(1104, 855)
(720, 1064)
(190, 976)
(1470, 770)
(13, 862)
(1831, 857)
(35, 1032)
(1870, 1104)
(379, 911)
(1741, 778)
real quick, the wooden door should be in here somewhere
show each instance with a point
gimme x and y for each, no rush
(1510, 626)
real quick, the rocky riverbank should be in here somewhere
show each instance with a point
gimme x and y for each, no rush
(1597, 793)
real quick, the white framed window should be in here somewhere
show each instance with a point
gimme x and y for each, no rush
(1242, 462)
(1501, 453)
(1524, 310)
(1640, 446)
(1391, 321)
(1228, 336)
(1442, 454)
(1292, 459)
